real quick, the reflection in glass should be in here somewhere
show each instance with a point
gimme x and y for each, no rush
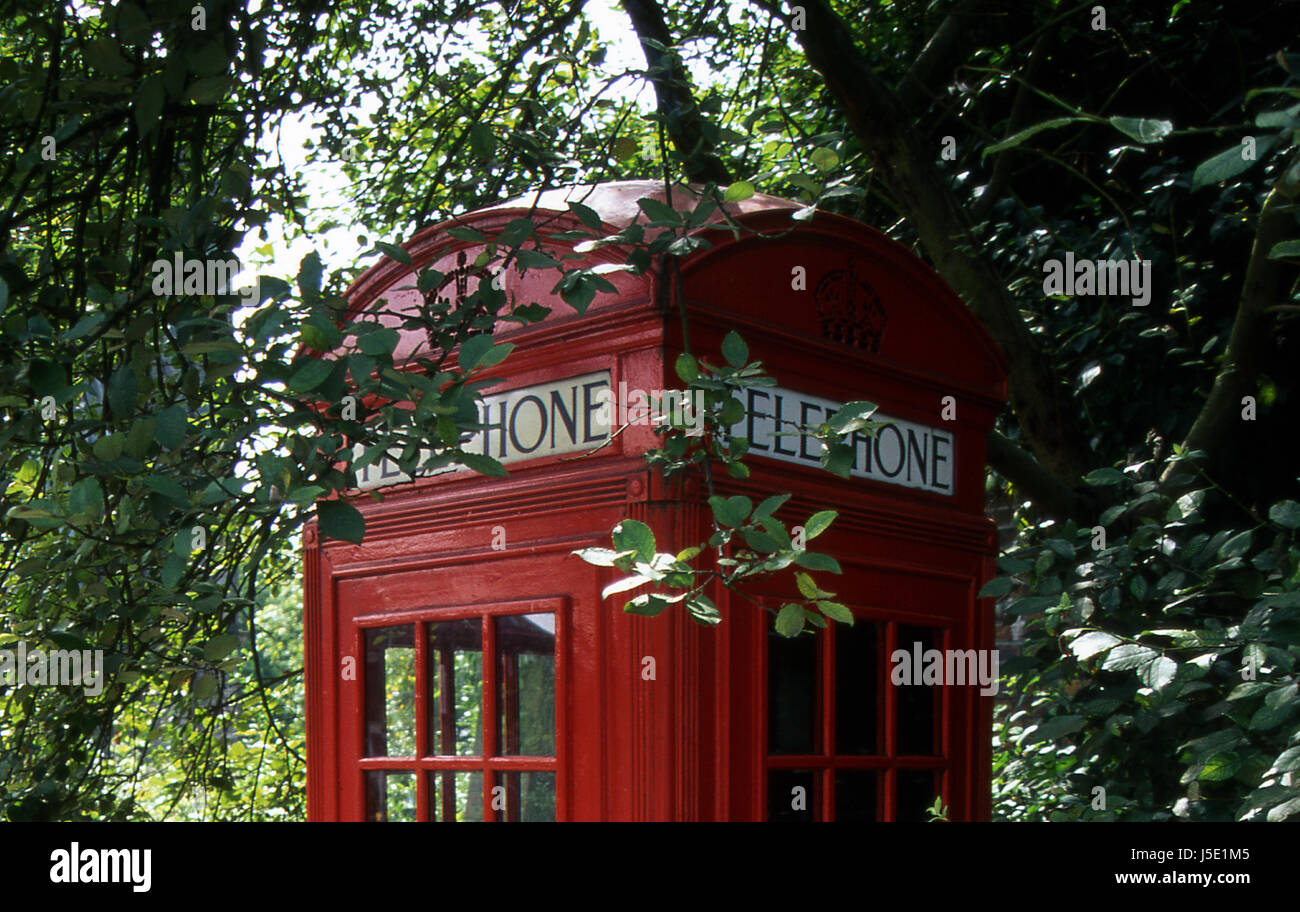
(917, 790)
(529, 796)
(857, 688)
(917, 702)
(455, 681)
(855, 795)
(526, 684)
(390, 691)
(792, 694)
(390, 796)
(791, 796)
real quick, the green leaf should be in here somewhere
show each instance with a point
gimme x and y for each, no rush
(646, 605)
(47, 378)
(122, 391)
(687, 368)
(167, 487)
(789, 620)
(311, 375)
(1143, 129)
(836, 612)
(825, 159)
(109, 448)
(703, 611)
(1285, 250)
(340, 520)
(851, 416)
(660, 211)
(473, 351)
(636, 537)
(1158, 673)
(309, 273)
(818, 523)
(217, 648)
(624, 584)
(528, 258)
(1285, 513)
(1220, 767)
(814, 561)
(996, 587)
(734, 349)
(172, 426)
(1127, 656)
(1229, 163)
(769, 506)
(599, 557)
(86, 496)
(740, 190)
(587, 216)
(173, 570)
(394, 252)
(731, 511)
(1090, 644)
(1017, 138)
(378, 342)
(484, 465)
(1058, 727)
(1236, 546)
(1104, 477)
(465, 233)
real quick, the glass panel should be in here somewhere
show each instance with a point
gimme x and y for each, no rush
(917, 790)
(857, 689)
(855, 795)
(455, 681)
(791, 795)
(469, 797)
(792, 694)
(455, 796)
(390, 691)
(918, 703)
(526, 684)
(390, 796)
(529, 796)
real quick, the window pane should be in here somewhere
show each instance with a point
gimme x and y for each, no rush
(455, 796)
(390, 796)
(526, 684)
(917, 790)
(857, 689)
(469, 797)
(529, 796)
(855, 795)
(791, 795)
(918, 712)
(792, 694)
(390, 691)
(455, 681)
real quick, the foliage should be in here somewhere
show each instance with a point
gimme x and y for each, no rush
(1162, 677)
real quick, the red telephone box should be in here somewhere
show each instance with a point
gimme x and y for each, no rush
(461, 664)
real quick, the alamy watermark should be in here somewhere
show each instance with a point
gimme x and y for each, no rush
(953, 667)
(1121, 278)
(679, 408)
(181, 276)
(53, 667)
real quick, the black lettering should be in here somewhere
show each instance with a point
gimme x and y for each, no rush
(588, 407)
(777, 422)
(384, 464)
(754, 413)
(860, 438)
(936, 459)
(804, 407)
(918, 451)
(902, 451)
(514, 423)
(569, 417)
(499, 427)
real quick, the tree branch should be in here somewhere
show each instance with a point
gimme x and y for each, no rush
(906, 168)
(1220, 416)
(676, 103)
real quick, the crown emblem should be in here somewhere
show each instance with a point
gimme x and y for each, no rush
(850, 310)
